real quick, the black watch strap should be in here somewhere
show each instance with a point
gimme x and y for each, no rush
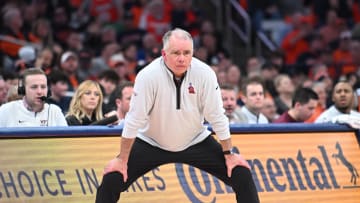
(231, 151)
(226, 152)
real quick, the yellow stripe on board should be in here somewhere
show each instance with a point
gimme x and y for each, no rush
(287, 167)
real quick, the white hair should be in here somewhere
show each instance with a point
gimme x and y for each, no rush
(180, 33)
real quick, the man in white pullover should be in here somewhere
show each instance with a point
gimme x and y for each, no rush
(31, 110)
(172, 97)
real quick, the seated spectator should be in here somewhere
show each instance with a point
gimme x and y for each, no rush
(31, 111)
(303, 105)
(119, 64)
(295, 42)
(343, 98)
(44, 60)
(11, 78)
(268, 72)
(232, 110)
(148, 45)
(27, 56)
(355, 57)
(100, 63)
(332, 28)
(13, 94)
(130, 54)
(342, 54)
(309, 58)
(3, 91)
(129, 31)
(253, 98)
(61, 28)
(14, 32)
(221, 77)
(183, 15)
(285, 89)
(74, 41)
(104, 11)
(320, 89)
(85, 56)
(69, 64)
(234, 76)
(86, 104)
(41, 28)
(149, 57)
(59, 86)
(122, 96)
(269, 109)
(108, 79)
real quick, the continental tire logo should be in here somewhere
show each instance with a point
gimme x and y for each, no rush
(340, 157)
(301, 172)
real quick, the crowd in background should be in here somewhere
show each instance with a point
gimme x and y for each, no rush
(110, 41)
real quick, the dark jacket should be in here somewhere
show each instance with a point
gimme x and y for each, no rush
(72, 120)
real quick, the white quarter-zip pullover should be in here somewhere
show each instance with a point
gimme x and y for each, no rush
(15, 114)
(159, 110)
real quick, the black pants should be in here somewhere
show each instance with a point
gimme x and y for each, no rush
(206, 156)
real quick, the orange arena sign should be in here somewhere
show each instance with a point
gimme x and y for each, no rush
(298, 167)
(287, 167)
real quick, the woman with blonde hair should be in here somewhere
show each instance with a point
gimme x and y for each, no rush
(86, 104)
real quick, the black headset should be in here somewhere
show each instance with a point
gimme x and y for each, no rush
(21, 91)
(21, 87)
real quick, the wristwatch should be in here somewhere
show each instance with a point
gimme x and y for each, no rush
(232, 150)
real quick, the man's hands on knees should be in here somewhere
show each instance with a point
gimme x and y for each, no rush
(233, 160)
(117, 165)
(232, 156)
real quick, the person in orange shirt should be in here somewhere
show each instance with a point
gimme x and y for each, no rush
(69, 64)
(333, 27)
(14, 36)
(130, 53)
(342, 54)
(296, 41)
(352, 67)
(119, 63)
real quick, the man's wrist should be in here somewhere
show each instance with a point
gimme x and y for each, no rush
(227, 152)
(231, 151)
(120, 157)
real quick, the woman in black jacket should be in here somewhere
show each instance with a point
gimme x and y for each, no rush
(86, 104)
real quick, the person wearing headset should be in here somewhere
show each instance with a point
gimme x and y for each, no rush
(32, 110)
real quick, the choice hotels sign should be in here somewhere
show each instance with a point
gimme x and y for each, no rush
(286, 167)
